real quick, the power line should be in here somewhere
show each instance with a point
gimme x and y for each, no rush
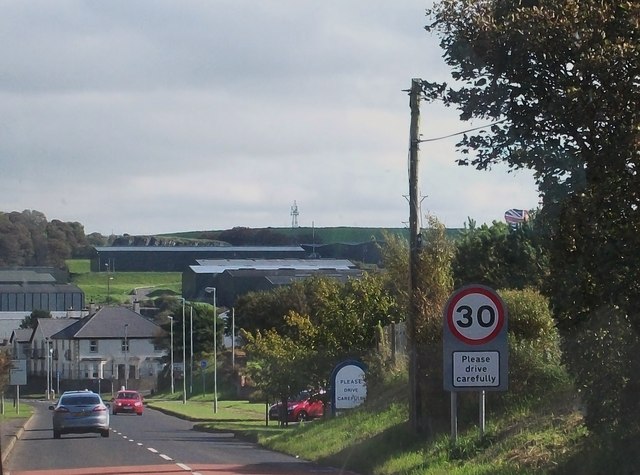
(463, 132)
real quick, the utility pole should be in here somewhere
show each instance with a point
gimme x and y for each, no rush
(415, 246)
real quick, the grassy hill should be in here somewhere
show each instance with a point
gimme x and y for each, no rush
(118, 287)
(306, 235)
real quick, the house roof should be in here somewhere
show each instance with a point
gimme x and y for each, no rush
(21, 335)
(47, 327)
(111, 322)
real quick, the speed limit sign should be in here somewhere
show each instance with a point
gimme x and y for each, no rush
(475, 349)
(475, 315)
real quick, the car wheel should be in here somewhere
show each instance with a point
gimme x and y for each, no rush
(105, 433)
(56, 434)
(139, 413)
(302, 416)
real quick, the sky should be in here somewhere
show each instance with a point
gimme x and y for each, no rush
(158, 116)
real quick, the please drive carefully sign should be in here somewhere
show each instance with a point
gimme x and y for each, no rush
(476, 353)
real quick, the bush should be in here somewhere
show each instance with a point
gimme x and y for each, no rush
(535, 357)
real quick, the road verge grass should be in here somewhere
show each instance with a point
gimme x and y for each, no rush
(376, 439)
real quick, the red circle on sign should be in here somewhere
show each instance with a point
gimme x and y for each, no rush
(473, 294)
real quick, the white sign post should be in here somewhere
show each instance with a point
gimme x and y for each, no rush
(348, 386)
(475, 349)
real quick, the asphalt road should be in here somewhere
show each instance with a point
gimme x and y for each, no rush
(154, 443)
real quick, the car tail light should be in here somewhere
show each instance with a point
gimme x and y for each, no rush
(61, 409)
(100, 408)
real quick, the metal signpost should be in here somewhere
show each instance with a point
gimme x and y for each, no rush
(18, 377)
(475, 349)
(203, 365)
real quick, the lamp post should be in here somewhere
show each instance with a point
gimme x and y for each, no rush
(215, 349)
(106, 266)
(191, 346)
(126, 355)
(46, 355)
(184, 358)
(50, 350)
(172, 386)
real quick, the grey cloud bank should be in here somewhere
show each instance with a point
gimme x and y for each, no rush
(145, 117)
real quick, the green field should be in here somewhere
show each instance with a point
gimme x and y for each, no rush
(118, 287)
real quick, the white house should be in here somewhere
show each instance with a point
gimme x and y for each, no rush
(115, 344)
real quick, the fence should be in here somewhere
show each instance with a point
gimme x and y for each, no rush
(395, 339)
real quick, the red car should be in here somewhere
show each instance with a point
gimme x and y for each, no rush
(128, 401)
(303, 407)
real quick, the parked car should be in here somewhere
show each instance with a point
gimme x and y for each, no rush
(128, 401)
(80, 412)
(305, 406)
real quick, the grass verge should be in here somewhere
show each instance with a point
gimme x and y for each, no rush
(376, 438)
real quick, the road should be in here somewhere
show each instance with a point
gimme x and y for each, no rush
(154, 443)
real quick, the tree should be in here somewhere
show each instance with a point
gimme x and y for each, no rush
(434, 286)
(501, 256)
(301, 350)
(560, 80)
(31, 320)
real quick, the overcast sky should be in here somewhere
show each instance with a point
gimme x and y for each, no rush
(154, 116)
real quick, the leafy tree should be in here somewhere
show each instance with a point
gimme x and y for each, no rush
(500, 256)
(6, 364)
(27, 239)
(340, 323)
(535, 359)
(264, 310)
(279, 365)
(560, 80)
(434, 284)
(31, 320)
(203, 335)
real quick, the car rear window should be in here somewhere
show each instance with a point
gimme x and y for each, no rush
(127, 396)
(80, 400)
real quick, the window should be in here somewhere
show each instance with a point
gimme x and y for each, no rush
(93, 346)
(125, 345)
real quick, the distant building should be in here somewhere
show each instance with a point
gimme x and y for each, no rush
(37, 288)
(233, 278)
(113, 346)
(178, 258)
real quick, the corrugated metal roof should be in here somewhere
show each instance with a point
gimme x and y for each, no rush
(43, 288)
(218, 266)
(225, 249)
(24, 277)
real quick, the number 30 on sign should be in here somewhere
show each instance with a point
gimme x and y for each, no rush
(475, 315)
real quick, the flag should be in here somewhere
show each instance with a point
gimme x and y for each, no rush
(516, 216)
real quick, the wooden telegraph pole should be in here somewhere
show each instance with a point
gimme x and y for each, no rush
(416, 416)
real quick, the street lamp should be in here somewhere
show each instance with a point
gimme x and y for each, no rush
(126, 355)
(215, 349)
(191, 356)
(172, 386)
(46, 355)
(184, 358)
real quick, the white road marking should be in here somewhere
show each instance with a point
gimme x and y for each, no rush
(151, 449)
(166, 457)
(184, 467)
